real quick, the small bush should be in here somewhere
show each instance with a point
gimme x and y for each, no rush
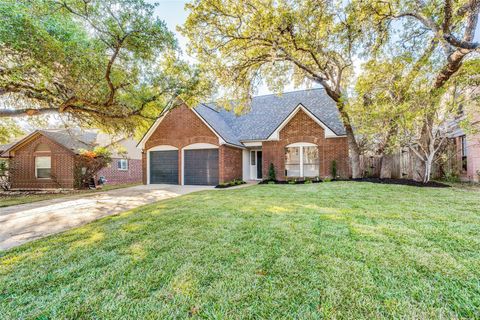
(451, 176)
(327, 179)
(292, 181)
(233, 183)
(271, 182)
(308, 181)
(272, 176)
(333, 170)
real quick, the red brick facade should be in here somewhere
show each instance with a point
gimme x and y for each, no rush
(23, 166)
(230, 163)
(22, 163)
(117, 176)
(301, 128)
(182, 127)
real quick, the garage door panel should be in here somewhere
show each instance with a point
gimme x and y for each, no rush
(164, 167)
(201, 167)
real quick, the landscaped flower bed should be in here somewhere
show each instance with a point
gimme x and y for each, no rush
(229, 184)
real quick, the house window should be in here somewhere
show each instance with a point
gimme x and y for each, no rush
(463, 145)
(43, 167)
(122, 164)
(302, 160)
(253, 158)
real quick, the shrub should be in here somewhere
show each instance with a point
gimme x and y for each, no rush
(450, 176)
(271, 182)
(5, 177)
(271, 173)
(292, 181)
(308, 181)
(334, 169)
(327, 179)
(89, 163)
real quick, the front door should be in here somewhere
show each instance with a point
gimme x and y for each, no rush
(259, 165)
(256, 164)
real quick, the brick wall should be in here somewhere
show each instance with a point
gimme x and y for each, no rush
(230, 163)
(116, 176)
(302, 128)
(182, 127)
(23, 166)
(473, 158)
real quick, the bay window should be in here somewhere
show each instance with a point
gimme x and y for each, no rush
(302, 160)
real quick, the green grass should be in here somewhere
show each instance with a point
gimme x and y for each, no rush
(330, 250)
(12, 200)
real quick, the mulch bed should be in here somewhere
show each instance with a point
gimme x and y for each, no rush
(286, 182)
(405, 182)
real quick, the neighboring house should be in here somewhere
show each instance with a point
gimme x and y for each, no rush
(299, 132)
(467, 150)
(45, 159)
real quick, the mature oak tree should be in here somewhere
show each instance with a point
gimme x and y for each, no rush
(100, 63)
(453, 25)
(244, 42)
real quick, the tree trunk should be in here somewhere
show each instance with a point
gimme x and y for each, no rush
(352, 142)
(386, 166)
(428, 169)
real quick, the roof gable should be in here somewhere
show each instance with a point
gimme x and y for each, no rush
(268, 112)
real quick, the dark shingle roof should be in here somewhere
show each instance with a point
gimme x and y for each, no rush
(267, 113)
(72, 139)
(4, 147)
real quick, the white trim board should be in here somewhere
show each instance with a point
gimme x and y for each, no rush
(276, 134)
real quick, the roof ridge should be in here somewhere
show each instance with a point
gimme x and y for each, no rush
(270, 94)
(203, 104)
(288, 92)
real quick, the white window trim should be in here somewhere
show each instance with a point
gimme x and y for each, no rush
(301, 145)
(120, 161)
(164, 147)
(36, 167)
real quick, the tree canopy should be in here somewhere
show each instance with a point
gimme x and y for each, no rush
(101, 63)
(310, 42)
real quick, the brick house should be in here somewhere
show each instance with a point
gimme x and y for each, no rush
(45, 159)
(467, 147)
(300, 133)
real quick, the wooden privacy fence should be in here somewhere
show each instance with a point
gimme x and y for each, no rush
(403, 165)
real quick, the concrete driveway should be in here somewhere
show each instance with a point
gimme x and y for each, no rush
(26, 222)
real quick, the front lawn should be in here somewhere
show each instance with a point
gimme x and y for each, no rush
(330, 250)
(15, 199)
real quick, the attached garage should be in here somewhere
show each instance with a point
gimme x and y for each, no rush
(201, 167)
(163, 167)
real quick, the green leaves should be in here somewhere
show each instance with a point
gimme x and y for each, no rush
(109, 64)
